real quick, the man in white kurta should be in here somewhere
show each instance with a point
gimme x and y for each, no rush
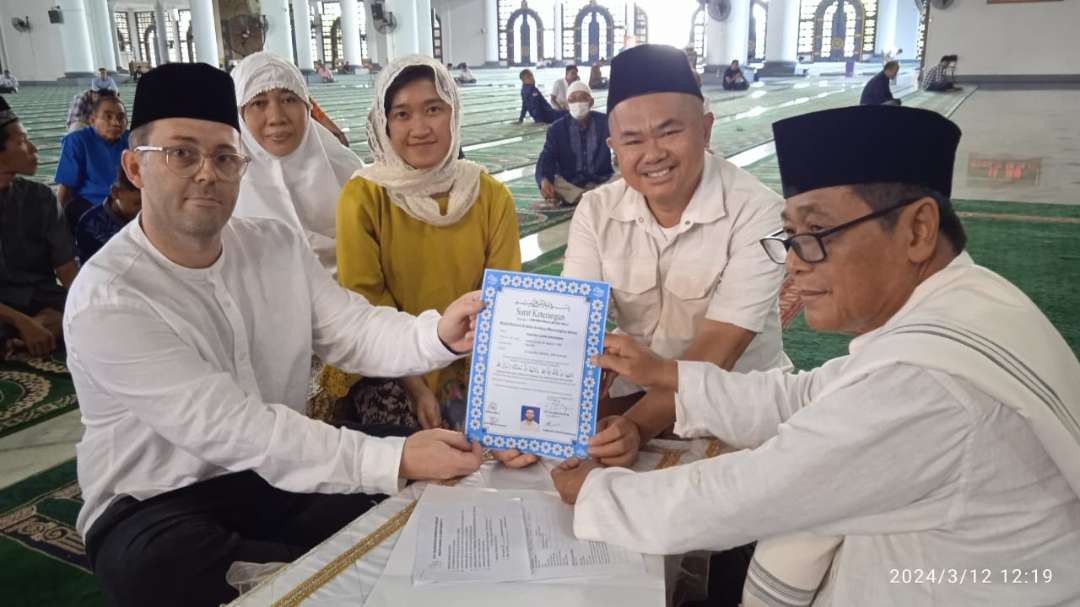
(190, 338)
(943, 450)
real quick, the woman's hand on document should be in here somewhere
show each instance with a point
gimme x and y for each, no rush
(437, 455)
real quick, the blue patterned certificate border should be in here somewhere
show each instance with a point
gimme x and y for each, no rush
(596, 294)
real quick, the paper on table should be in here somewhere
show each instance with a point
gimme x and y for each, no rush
(554, 552)
(478, 540)
(485, 537)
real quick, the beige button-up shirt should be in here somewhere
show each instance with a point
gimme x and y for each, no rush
(710, 267)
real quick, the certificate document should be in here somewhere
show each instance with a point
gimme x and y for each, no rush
(532, 385)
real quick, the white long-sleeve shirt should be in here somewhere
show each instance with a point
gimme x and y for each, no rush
(187, 374)
(916, 468)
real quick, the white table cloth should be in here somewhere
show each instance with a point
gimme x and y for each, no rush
(344, 569)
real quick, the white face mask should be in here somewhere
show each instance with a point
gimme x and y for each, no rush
(579, 109)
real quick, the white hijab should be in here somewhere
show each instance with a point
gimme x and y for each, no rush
(409, 188)
(301, 188)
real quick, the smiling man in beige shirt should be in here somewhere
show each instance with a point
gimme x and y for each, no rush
(677, 239)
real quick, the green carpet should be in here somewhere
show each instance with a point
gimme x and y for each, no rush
(32, 391)
(44, 558)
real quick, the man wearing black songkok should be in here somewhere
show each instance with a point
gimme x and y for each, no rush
(943, 452)
(190, 336)
(677, 239)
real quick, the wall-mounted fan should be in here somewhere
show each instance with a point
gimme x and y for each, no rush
(21, 24)
(385, 22)
(246, 34)
(719, 10)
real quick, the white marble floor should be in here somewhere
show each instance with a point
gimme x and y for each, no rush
(1019, 145)
(39, 447)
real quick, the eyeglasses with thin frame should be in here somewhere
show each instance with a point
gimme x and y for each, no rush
(186, 161)
(810, 246)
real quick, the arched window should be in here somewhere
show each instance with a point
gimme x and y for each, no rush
(333, 45)
(436, 36)
(123, 30)
(187, 49)
(755, 49)
(697, 31)
(592, 30)
(836, 30)
(146, 36)
(524, 34)
(641, 25)
(594, 34)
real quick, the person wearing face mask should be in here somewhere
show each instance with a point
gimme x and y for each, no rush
(576, 157)
(415, 231)
(298, 167)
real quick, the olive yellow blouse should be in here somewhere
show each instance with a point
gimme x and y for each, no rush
(393, 259)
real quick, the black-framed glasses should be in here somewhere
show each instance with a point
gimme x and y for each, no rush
(810, 246)
(185, 161)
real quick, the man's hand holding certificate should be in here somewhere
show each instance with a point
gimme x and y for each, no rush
(533, 385)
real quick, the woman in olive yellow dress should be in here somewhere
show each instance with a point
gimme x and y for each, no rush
(415, 231)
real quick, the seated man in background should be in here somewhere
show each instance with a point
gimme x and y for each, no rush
(576, 157)
(104, 82)
(560, 86)
(8, 83)
(90, 157)
(102, 222)
(35, 248)
(190, 338)
(936, 78)
(945, 447)
(533, 102)
(465, 75)
(876, 91)
(325, 74)
(597, 82)
(734, 79)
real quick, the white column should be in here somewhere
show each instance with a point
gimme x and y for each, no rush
(907, 28)
(102, 37)
(179, 39)
(491, 32)
(425, 45)
(202, 29)
(75, 40)
(317, 20)
(404, 40)
(350, 31)
(886, 27)
(136, 36)
(279, 28)
(558, 50)
(737, 31)
(120, 65)
(715, 50)
(161, 33)
(781, 38)
(302, 27)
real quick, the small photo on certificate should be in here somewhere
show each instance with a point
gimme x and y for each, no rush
(532, 385)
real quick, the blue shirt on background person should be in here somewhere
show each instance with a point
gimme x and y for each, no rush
(88, 163)
(580, 156)
(534, 104)
(96, 227)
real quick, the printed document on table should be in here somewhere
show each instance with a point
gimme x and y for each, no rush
(468, 535)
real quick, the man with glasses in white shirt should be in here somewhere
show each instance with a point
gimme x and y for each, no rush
(190, 336)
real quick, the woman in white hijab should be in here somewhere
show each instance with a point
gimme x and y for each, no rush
(298, 167)
(415, 231)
